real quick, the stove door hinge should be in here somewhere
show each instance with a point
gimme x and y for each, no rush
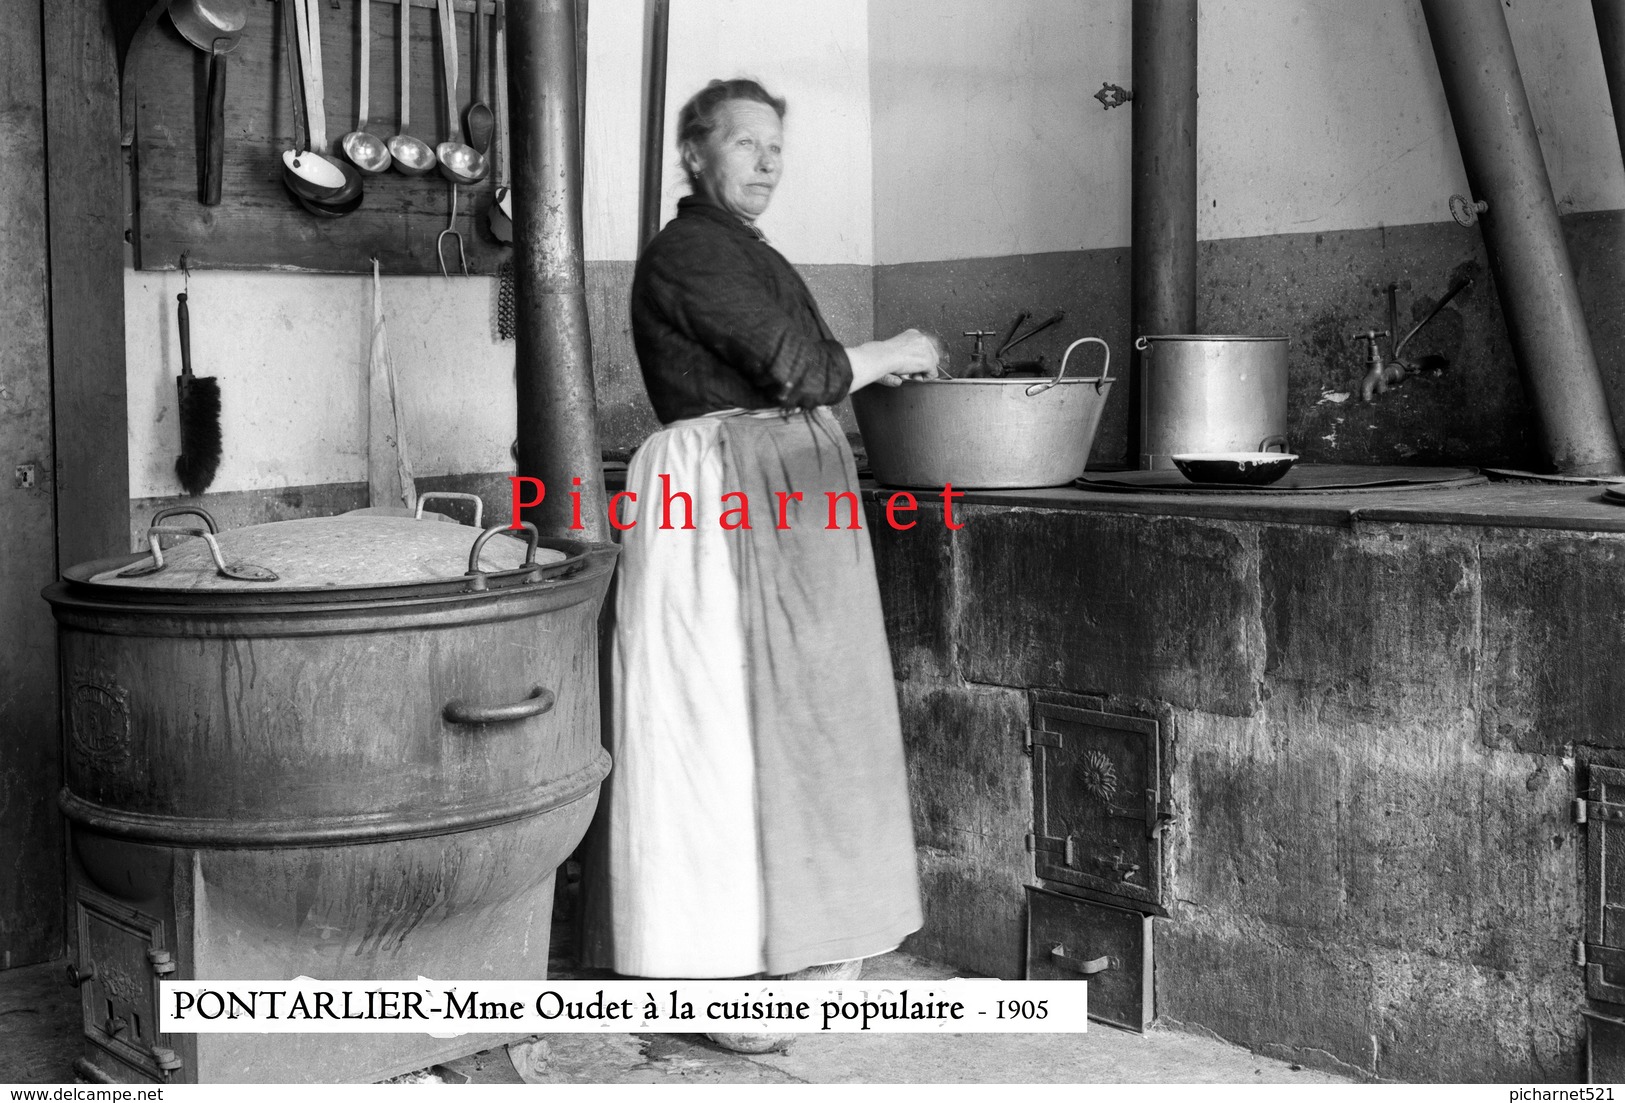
(1159, 815)
(1580, 952)
(167, 1060)
(1038, 737)
(1597, 811)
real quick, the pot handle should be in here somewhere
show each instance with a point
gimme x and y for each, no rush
(1142, 344)
(1098, 381)
(243, 572)
(538, 701)
(177, 511)
(476, 577)
(1277, 439)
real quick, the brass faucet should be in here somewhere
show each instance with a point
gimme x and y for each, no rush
(1380, 374)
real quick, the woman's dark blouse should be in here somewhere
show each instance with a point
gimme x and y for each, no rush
(720, 319)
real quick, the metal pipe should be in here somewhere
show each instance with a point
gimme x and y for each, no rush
(1163, 171)
(654, 123)
(1522, 234)
(558, 408)
(1610, 17)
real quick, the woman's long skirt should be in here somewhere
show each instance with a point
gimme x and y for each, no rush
(756, 819)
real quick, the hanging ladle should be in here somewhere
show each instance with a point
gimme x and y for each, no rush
(366, 152)
(412, 156)
(459, 163)
(324, 185)
(477, 120)
(213, 26)
(308, 177)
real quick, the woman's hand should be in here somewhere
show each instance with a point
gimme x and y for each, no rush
(887, 362)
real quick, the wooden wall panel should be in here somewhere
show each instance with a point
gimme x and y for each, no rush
(259, 224)
(31, 905)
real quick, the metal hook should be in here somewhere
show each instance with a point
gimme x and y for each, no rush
(451, 228)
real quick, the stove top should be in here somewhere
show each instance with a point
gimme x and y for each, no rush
(1304, 478)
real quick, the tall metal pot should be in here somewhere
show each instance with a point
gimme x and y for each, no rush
(1209, 394)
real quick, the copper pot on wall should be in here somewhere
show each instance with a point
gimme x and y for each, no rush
(1209, 394)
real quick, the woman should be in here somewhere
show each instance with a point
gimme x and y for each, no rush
(756, 820)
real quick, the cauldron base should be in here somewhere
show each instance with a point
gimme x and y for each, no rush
(475, 905)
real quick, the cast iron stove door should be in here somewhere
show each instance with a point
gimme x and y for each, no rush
(1098, 814)
(120, 959)
(1603, 814)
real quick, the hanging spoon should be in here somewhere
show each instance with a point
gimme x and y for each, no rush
(502, 206)
(459, 163)
(411, 156)
(477, 120)
(366, 152)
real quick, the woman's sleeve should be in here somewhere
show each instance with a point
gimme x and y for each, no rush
(712, 295)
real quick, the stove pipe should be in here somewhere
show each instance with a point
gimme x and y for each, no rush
(1610, 17)
(558, 407)
(1539, 296)
(1163, 173)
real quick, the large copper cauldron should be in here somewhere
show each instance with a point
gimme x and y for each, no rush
(352, 747)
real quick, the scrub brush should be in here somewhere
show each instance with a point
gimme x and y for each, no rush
(199, 415)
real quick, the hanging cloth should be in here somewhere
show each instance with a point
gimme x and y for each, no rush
(389, 472)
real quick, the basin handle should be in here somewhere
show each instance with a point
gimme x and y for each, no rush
(1083, 968)
(453, 496)
(461, 712)
(1277, 440)
(1099, 381)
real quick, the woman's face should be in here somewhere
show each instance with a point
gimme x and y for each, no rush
(738, 164)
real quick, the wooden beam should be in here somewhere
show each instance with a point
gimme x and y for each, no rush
(85, 192)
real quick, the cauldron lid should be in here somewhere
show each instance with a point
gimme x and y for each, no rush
(323, 554)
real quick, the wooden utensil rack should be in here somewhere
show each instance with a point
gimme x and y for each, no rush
(259, 224)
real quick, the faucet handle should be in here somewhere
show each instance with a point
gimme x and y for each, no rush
(1371, 335)
(977, 353)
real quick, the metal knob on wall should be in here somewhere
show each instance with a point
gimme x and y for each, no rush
(1466, 211)
(1113, 95)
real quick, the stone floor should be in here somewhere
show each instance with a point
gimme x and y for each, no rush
(39, 1040)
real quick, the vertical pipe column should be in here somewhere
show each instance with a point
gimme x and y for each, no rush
(1522, 234)
(558, 408)
(654, 123)
(1163, 173)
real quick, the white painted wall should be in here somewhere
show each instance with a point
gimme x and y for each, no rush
(815, 53)
(918, 130)
(987, 142)
(1313, 117)
(291, 350)
(291, 354)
